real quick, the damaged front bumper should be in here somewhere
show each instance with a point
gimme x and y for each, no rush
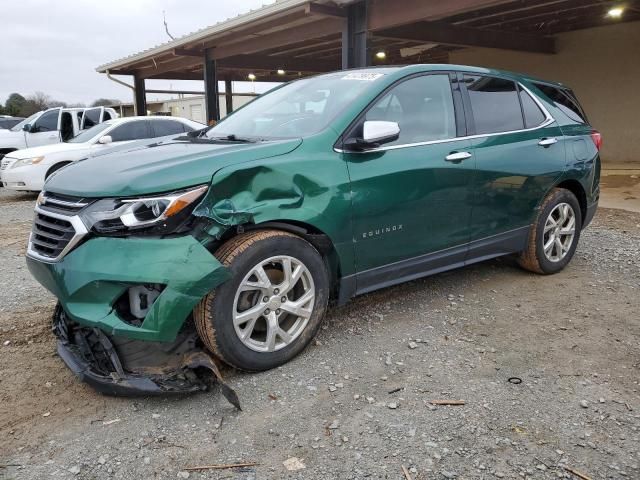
(100, 341)
(123, 367)
(91, 279)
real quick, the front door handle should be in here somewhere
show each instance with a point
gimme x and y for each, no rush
(457, 157)
(547, 142)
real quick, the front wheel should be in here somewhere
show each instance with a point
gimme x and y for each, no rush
(554, 236)
(272, 306)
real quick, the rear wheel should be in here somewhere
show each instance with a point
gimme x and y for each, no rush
(273, 305)
(554, 236)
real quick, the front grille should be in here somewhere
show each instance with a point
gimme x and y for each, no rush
(54, 232)
(51, 235)
(63, 204)
(5, 163)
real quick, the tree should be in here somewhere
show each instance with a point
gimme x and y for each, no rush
(105, 102)
(37, 102)
(40, 100)
(14, 104)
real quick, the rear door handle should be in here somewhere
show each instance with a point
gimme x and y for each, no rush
(547, 142)
(457, 157)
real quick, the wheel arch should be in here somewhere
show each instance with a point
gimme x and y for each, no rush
(56, 166)
(575, 187)
(320, 240)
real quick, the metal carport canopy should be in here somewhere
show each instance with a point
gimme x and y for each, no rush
(293, 38)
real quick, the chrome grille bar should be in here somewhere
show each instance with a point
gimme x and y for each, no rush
(53, 235)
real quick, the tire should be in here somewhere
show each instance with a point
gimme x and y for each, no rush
(559, 203)
(55, 168)
(258, 350)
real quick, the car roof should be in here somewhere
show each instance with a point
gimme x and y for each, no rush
(415, 68)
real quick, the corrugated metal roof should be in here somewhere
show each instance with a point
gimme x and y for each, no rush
(208, 32)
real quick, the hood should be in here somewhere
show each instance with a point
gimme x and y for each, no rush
(159, 167)
(45, 150)
(8, 138)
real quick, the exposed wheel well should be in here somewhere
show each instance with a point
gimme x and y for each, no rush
(313, 235)
(55, 167)
(576, 188)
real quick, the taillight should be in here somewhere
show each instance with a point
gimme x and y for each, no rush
(596, 136)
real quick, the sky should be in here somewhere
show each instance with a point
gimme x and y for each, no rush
(55, 47)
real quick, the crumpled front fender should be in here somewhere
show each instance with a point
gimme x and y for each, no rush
(90, 279)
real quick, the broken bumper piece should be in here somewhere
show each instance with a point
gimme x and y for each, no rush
(91, 280)
(125, 367)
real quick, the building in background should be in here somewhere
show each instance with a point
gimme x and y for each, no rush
(191, 107)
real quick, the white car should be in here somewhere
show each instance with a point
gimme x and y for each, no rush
(27, 170)
(51, 126)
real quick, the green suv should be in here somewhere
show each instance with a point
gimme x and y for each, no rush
(234, 240)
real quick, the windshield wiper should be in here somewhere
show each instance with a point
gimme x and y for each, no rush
(234, 138)
(218, 140)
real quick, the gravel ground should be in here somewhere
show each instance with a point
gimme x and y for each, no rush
(358, 403)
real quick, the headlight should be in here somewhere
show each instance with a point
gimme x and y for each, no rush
(119, 214)
(27, 161)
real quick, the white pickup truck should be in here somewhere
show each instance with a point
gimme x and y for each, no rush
(54, 125)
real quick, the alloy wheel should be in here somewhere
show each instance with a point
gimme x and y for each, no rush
(559, 232)
(273, 304)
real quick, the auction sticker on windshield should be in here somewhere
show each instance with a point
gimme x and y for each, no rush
(364, 76)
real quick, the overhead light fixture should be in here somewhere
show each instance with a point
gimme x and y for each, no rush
(615, 12)
(381, 55)
(281, 72)
(251, 77)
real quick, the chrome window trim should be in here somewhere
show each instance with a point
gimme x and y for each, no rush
(547, 121)
(80, 232)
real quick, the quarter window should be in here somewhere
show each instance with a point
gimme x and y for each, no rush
(494, 103)
(565, 100)
(533, 114)
(422, 107)
(135, 130)
(48, 122)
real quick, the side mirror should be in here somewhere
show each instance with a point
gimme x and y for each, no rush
(105, 140)
(378, 132)
(27, 127)
(374, 134)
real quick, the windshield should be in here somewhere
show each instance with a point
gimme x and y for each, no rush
(31, 119)
(89, 133)
(298, 109)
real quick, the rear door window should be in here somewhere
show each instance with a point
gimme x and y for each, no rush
(494, 104)
(91, 117)
(423, 108)
(135, 130)
(167, 127)
(533, 114)
(565, 100)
